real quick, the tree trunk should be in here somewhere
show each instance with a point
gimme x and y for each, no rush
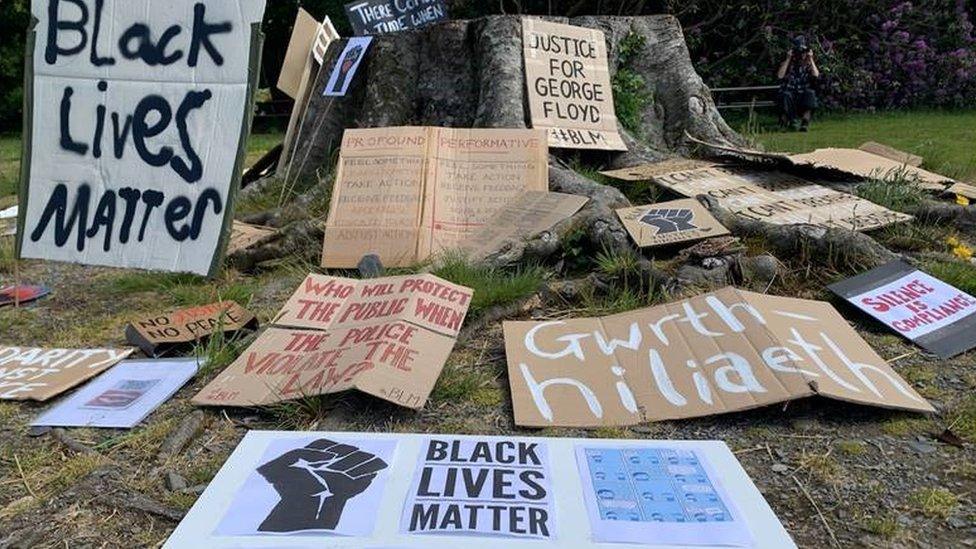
(471, 74)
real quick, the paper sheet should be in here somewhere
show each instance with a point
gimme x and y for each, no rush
(123, 396)
(487, 487)
(304, 484)
(658, 493)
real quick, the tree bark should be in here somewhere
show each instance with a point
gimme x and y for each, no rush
(470, 73)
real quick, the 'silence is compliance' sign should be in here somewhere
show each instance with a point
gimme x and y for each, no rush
(136, 118)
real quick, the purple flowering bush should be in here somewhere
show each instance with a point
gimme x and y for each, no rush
(872, 53)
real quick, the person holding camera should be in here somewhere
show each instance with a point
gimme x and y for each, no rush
(797, 74)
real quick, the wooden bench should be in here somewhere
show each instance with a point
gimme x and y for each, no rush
(745, 97)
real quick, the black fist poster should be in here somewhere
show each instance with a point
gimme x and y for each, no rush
(485, 487)
(135, 122)
(324, 484)
(670, 222)
(437, 491)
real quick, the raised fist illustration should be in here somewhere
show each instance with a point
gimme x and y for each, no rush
(315, 482)
(669, 220)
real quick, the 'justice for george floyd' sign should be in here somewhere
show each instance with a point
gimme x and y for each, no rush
(136, 116)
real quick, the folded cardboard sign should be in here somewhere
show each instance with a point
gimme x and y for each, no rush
(388, 337)
(670, 222)
(530, 214)
(568, 81)
(244, 235)
(720, 352)
(161, 333)
(32, 373)
(407, 193)
(779, 198)
(136, 147)
(937, 316)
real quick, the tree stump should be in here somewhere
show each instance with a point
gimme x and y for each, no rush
(470, 73)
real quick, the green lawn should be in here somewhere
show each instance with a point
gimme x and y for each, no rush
(946, 139)
(9, 168)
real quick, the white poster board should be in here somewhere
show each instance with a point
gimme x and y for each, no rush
(137, 115)
(123, 396)
(538, 480)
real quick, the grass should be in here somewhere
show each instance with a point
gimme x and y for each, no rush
(9, 167)
(943, 138)
(934, 502)
(959, 274)
(492, 287)
(886, 526)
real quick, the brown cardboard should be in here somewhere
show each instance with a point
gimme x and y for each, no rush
(781, 199)
(569, 88)
(408, 193)
(647, 172)
(388, 337)
(867, 165)
(244, 235)
(721, 352)
(328, 303)
(303, 36)
(531, 213)
(161, 333)
(670, 222)
(963, 189)
(325, 34)
(854, 162)
(892, 153)
(31, 373)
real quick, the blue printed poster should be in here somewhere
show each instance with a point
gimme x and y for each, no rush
(669, 495)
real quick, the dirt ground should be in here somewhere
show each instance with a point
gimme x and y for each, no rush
(835, 474)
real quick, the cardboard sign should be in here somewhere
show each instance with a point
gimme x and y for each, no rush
(313, 48)
(408, 193)
(123, 396)
(135, 152)
(867, 165)
(383, 16)
(303, 34)
(780, 199)
(531, 213)
(244, 235)
(671, 222)
(160, 334)
(347, 65)
(720, 352)
(569, 88)
(935, 315)
(963, 189)
(388, 337)
(432, 491)
(671, 495)
(892, 153)
(647, 172)
(32, 373)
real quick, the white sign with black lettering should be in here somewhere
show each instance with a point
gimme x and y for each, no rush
(137, 115)
(488, 487)
(353, 491)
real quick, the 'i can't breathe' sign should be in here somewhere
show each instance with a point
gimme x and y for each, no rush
(920, 307)
(136, 119)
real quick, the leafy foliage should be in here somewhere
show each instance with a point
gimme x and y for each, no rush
(630, 92)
